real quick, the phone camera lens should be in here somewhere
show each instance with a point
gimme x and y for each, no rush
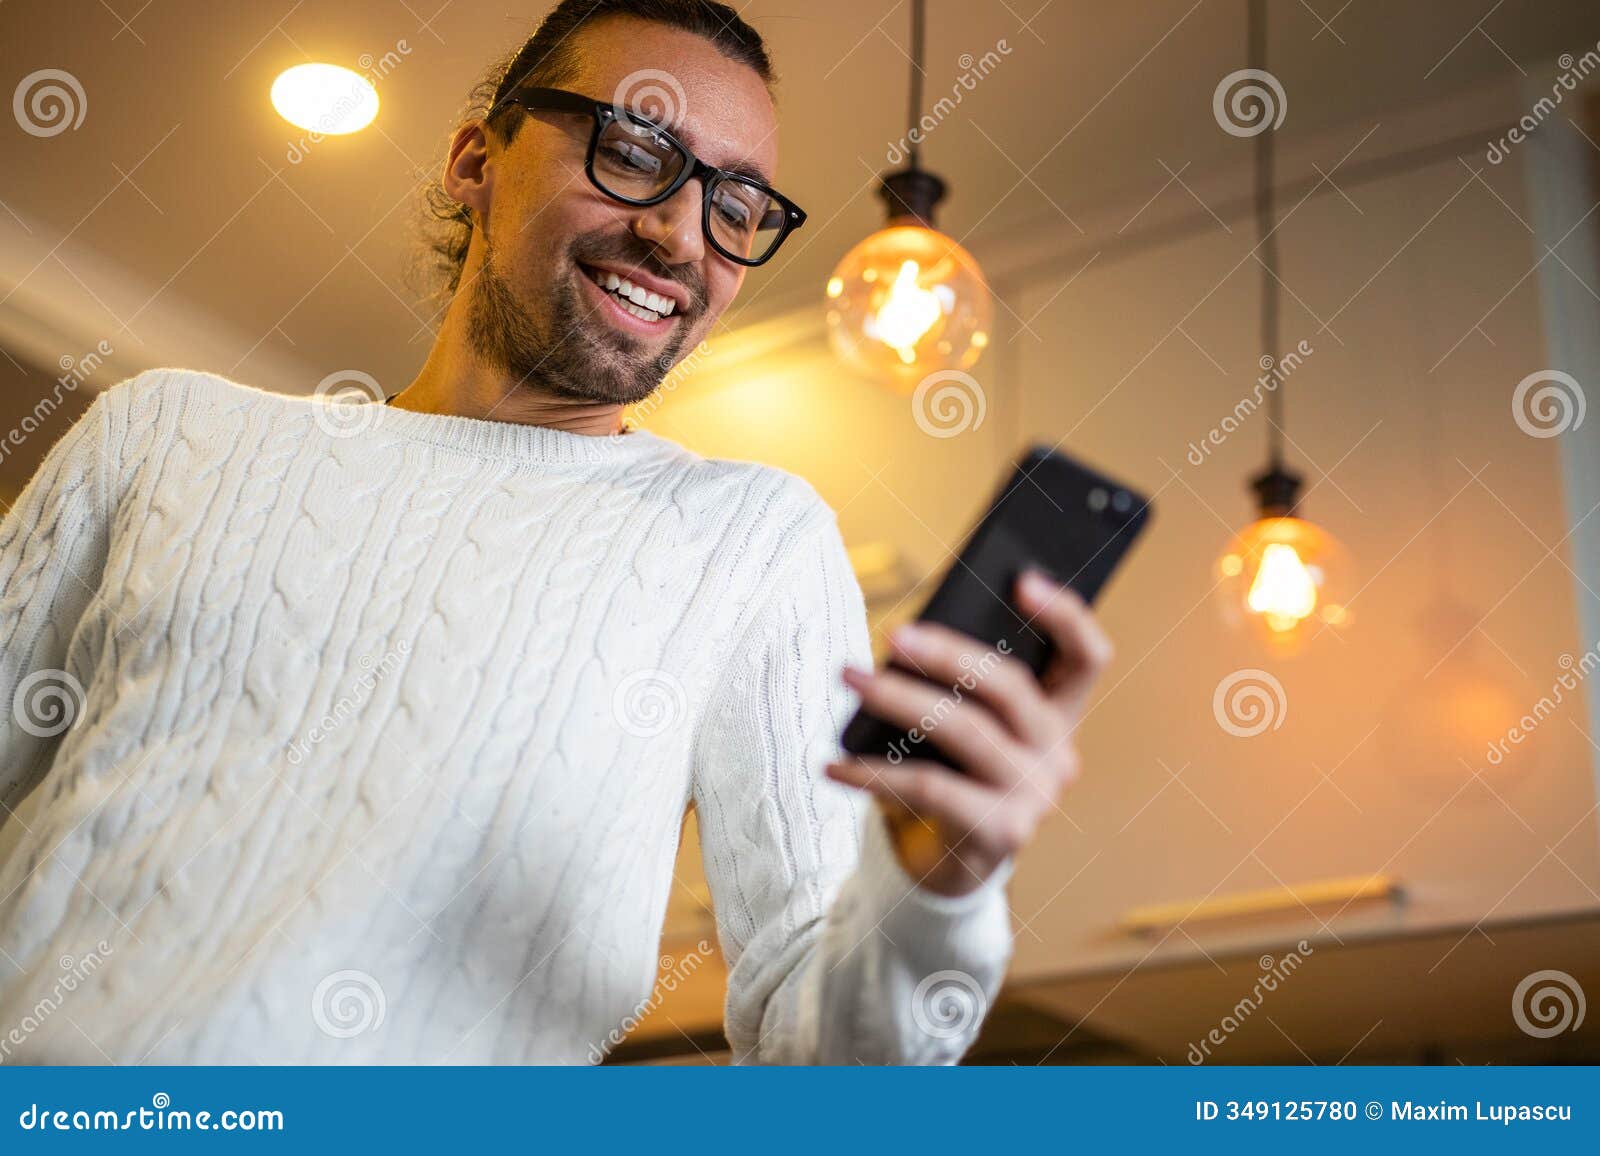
(1098, 499)
(1123, 502)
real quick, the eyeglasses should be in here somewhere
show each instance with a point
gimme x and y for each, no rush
(635, 161)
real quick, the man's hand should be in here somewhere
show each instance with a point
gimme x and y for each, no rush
(1011, 732)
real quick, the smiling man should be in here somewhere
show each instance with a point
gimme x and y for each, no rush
(365, 735)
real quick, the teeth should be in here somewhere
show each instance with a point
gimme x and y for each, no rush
(635, 298)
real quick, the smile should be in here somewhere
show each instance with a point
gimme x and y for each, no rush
(634, 299)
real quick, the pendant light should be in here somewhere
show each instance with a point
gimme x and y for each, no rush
(1281, 576)
(909, 301)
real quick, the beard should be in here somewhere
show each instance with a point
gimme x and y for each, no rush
(566, 350)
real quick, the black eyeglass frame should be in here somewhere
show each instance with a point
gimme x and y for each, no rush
(559, 100)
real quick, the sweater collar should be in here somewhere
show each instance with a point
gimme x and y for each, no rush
(507, 439)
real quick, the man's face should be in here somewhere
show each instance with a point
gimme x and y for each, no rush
(538, 308)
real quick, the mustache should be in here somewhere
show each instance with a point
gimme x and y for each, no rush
(626, 249)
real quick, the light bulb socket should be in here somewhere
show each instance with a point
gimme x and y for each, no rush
(1277, 490)
(911, 193)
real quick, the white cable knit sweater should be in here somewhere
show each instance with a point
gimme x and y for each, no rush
(383, 727)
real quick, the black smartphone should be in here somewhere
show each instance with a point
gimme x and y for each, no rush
(1052, 513)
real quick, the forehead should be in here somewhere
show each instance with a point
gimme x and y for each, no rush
(719, 107)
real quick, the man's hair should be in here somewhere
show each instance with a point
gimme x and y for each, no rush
(549, 58)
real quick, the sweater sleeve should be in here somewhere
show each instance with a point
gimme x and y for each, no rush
(53, 544)
(835, 955)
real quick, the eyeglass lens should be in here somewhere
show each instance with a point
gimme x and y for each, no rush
(635, 161)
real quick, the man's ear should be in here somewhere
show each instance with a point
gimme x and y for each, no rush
(468, 175)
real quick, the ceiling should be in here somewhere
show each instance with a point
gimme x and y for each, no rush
(175, 202)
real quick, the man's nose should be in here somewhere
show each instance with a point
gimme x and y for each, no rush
(673, 226)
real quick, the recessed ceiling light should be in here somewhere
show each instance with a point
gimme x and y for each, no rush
(325, 98)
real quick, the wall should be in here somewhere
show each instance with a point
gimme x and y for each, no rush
(1462, 592)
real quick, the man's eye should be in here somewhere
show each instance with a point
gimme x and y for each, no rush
(735, 213)
(634, 157)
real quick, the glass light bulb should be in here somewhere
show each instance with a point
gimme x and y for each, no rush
(1282, 579)
(906, 302)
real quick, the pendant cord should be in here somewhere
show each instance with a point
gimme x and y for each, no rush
(914, 150)
(1267, 239)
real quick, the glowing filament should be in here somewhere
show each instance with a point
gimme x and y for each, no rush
(906, 314)
(1283, 592)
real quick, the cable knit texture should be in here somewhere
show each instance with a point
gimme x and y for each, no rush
(382, 727)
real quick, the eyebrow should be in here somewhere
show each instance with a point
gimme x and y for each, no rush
(748, 171)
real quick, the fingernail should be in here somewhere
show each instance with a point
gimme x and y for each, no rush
(1036, 585)
(908, 638)
(852, 676)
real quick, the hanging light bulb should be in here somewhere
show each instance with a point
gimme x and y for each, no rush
(1283, 576)
(909, 300)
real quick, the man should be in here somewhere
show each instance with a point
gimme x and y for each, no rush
(384, 722)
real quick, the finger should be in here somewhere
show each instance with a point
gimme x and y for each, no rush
(963, 729)
(973, 812)
(1082, 648)
(1006, 685)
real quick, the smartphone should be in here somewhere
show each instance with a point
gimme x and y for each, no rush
(1053, 514)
